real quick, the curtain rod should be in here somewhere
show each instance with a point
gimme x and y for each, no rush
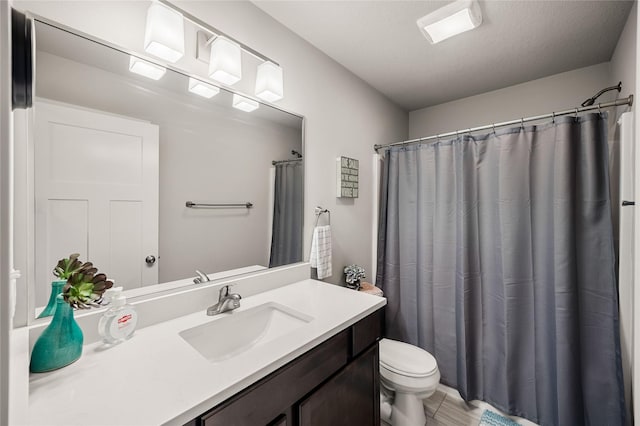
(275, 163)
(618, 102)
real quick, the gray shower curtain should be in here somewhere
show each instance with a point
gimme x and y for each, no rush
(286, 235)
(496, 255)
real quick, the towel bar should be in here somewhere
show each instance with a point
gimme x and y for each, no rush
(193, 205)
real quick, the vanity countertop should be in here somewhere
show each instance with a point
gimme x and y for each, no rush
(158, 378)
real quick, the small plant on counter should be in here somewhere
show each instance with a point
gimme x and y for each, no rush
(85, 286)
(60, 344)
(67, 266)
(353, 275)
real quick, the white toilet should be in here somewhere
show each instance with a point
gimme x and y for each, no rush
(408, 375)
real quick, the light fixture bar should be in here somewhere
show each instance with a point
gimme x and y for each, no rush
(216, 32)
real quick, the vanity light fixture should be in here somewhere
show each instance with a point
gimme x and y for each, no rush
(450, 20)
(164, 32)
(146, 68)
(244, 104)
(203, 89)
(269, 84)
(225, 62)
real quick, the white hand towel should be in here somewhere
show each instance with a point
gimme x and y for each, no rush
(321, 251)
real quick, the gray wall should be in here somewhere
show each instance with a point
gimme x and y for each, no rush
(554, 93)
(207, 154)
(344, 115)
(623, 61)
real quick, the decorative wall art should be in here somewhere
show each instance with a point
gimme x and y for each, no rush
(347, 177)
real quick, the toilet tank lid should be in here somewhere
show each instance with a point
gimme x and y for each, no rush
(406, 359)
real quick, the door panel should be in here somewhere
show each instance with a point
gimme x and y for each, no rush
(96, 193)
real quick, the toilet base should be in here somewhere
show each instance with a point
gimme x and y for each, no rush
(408, 410)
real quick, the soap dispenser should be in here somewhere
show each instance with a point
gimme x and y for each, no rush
(119, 321)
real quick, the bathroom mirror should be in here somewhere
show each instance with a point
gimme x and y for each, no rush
(148, 180)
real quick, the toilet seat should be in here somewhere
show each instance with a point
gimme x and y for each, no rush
(406, 360)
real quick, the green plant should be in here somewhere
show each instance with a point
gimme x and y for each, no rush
(354, 274)
(85, 287)
(67, 266)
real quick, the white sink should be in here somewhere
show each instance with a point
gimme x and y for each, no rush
(237, 331)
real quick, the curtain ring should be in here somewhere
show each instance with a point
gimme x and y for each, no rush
(522, 122)
(553, 118)
(576, 116)
(494, 127)
(599, 110)
(456, 134)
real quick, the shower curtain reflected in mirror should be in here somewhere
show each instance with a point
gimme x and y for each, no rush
(286, 236)
(496, 255)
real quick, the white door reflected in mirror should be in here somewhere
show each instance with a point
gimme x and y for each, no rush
(96, 193)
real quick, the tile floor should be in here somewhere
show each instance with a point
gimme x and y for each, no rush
(447, 408)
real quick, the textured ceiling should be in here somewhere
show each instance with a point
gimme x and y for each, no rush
(518, 41)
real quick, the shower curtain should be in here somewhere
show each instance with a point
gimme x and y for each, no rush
(496, 255)
(286, 236)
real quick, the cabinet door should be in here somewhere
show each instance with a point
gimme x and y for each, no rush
(352, 397)
(275, 394)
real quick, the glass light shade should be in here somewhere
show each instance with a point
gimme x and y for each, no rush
(450, 20)
(203, 89)
(225, 64)
(244, 104)
(269, 82)
(145, 68)
(164, 33)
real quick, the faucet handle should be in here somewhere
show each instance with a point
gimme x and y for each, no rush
(224, 292)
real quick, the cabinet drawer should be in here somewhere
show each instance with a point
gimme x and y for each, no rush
(265, 400)
(366, 332)
(349, 398)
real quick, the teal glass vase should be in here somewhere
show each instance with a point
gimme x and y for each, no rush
(60, 343)
(56, 289)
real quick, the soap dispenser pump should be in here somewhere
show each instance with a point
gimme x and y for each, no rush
(119, 322)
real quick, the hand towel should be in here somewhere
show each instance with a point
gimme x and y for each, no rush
(321, 251)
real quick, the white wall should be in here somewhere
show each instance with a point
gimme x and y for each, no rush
(623, 60)
(208, 153)
(554, 93)
(5, 209)
(344, 116)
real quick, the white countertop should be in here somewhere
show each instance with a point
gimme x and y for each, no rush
(158, 378)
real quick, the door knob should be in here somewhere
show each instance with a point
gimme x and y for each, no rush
(151, 259)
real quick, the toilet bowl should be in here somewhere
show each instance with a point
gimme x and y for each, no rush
(408, 376)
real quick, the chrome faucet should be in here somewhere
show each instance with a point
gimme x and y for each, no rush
(201, 278)
(226, 302)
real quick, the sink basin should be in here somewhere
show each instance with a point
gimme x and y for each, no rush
(235, 332)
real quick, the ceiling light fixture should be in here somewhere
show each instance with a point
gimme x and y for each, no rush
(244, 104)
(269, 84)
(450, 20)
(164, 33)
(225, 63)
(203, 89)
(145, 68)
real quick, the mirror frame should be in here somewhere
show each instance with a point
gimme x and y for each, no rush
(25, 309)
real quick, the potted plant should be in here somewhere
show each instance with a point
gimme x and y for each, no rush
(353, 275)
(63, 271)
(60, 343)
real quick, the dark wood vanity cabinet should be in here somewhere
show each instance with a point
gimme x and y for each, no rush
(351, 397)
(336, 383)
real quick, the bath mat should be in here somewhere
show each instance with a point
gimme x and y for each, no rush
(489, 418)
